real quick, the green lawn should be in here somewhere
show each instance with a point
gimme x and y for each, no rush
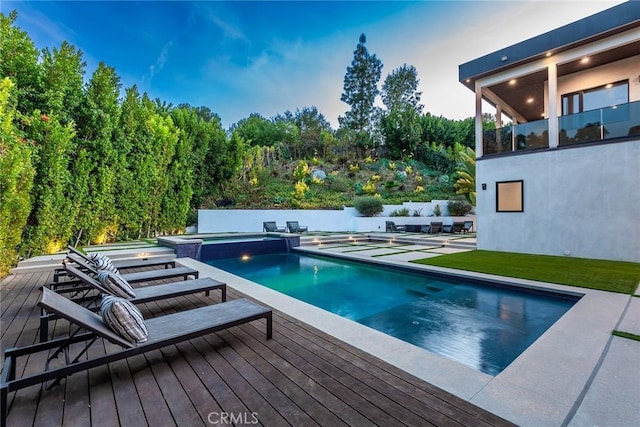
(613, 276)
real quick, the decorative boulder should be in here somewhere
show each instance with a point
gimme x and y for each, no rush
(319, 173)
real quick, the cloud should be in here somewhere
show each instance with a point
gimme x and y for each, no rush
(159, 64)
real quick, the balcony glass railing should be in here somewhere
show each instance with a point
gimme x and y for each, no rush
(604, 124)
(525, 136)
(597, 125)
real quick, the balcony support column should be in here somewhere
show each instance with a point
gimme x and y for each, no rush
(478, 122)
(552, 74)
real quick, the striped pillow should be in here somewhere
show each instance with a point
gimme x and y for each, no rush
(115, 284)
(103, 262)
(124, 318)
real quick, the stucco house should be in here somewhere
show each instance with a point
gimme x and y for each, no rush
(561, 173)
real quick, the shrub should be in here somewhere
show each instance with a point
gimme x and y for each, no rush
(300, 189)
(368, 206)
(437, 211)
(417, 212)
(400, 212)
(459, 207)
(369, 188)
(301, 171)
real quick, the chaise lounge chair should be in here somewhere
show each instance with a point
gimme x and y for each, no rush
(271, 227)
(119, 264)
(435, 227)
(141, 276)
(391, 227)
(467, 227)
(162, 331)
(142, 295)
(456, 227)
(294, 227)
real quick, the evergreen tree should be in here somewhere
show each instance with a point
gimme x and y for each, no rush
(96, 167)
(400, 123)
(62, 82)
(19, 62)
(50, 223)
(400, 90)
(16, 178)
(359, 92)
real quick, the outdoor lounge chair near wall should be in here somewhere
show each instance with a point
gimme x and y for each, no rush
(294, 227)
(163, 331)
(120, 265)
(456, 227)
(391, 227)
(271, 227)
(141, 276)
(467, 227)
(435, 227)
(143, 294)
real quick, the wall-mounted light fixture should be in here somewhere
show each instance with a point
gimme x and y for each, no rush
(484, 186)
(504, 58)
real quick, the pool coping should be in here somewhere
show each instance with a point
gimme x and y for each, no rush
(540, 387)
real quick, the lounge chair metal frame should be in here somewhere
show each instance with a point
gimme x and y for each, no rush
(295, 227)
(120, 265)
(141, 276)
(272, 227)
(163, 331)
(391, 227)
(86, 295)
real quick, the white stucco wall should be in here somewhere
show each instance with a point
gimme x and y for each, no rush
(246, 220)
(584, 201)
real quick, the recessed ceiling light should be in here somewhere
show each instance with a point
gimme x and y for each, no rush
(548, 54)
(468, 80)
(584, 60)
(609, 86)
(529, 101)
(512, 81)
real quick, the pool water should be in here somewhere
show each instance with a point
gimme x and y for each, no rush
(484, 327)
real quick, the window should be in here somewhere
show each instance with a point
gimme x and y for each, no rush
(596, 98)
(509, 196)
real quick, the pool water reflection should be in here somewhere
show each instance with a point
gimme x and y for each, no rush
(484, 327)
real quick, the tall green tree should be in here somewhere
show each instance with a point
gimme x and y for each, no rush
(97, 164)
(19, 62)
(16, 178)
(208, 156)
(360, 90)
(400, 90)
(50, 224)
(400, 123)
(315, 131)
(148, 142)
(62, 82)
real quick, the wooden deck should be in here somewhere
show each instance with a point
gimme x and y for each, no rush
(301, 377)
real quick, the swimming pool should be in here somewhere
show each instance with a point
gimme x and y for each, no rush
(482, 326)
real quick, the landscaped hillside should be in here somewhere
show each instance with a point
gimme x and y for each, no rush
(319, 184)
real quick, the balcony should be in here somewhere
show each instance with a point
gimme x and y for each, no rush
(603, 124)
(619, 121)
(525, 136)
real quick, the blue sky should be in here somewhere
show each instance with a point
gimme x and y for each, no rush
(266, 57)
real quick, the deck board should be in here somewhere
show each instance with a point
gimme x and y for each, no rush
(300, 377)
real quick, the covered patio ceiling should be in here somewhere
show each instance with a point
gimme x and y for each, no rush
(526, 94)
